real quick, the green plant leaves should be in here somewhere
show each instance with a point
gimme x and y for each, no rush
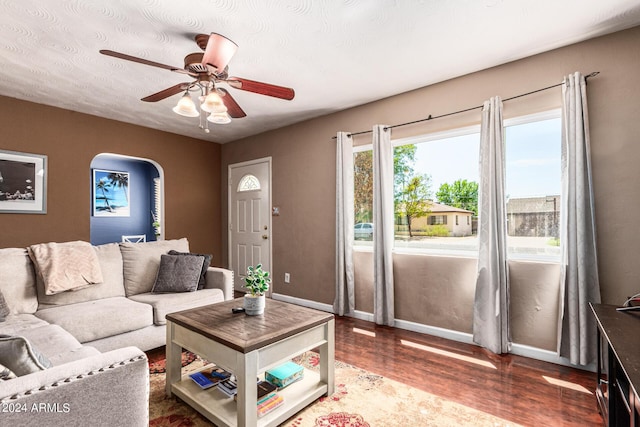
(257, 280)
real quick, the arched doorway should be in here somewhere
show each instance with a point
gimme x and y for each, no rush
(127, 199)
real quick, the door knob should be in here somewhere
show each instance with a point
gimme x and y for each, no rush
(265, 237)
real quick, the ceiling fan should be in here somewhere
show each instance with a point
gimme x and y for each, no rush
(208, 68)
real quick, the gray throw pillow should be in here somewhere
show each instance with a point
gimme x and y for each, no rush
(18, 356)
(205, 264)
(178, 274)
(4, 308)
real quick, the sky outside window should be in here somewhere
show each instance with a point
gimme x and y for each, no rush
(532, 159)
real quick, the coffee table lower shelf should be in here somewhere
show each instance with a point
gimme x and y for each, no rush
(222, 410)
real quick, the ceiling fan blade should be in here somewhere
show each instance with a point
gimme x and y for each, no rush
(233, 109)
(218, 51)
(170, 91)
(261, 88)
(142, 61)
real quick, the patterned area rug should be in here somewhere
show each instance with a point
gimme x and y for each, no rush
(157, 361)
(361, 399)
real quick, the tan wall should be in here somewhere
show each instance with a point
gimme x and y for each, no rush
(71, 140)
(304, 176)
(439, 291)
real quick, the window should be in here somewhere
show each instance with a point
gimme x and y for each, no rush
(363, 195)
(437, 220)
(248, 183)
(533, 183)
(436, 181)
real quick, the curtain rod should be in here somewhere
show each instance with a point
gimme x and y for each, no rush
(595, 73)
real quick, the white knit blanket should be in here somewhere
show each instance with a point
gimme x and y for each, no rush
(66, 266)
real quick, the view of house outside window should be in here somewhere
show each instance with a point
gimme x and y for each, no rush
(533, 183)
(436, 180)
(436, 192)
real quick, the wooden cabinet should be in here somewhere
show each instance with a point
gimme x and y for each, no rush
(618, 365)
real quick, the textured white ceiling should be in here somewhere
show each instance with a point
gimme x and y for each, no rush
(335, 54)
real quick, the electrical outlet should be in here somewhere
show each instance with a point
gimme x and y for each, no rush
(287, 277)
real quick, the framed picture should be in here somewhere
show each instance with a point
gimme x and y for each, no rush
(23, 182)
(110, 193)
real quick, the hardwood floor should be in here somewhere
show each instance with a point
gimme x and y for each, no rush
(511, 387)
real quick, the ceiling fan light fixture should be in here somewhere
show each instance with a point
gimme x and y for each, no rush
(218, 52)
(212, 103)
(221, 118)
(186, 107)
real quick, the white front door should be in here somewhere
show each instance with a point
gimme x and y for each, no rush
(249, 217)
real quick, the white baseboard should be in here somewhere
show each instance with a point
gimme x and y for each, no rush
(546, 356)
(303, 302)
(463, 337)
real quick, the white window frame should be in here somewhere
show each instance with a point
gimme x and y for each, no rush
(367, 246)
(362, 245)
(555, 113)
(429, 137)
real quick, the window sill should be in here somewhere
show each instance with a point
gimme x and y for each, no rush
(533, 258)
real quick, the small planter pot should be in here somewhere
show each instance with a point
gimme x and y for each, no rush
(254, 305)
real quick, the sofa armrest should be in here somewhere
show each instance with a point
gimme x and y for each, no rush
(106, 389)
(220, 278)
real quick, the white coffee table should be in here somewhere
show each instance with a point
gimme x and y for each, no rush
(248, 346)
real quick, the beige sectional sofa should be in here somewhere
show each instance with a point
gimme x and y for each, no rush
(92, 338)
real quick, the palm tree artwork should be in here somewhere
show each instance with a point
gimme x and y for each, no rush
(120, 180)
(111, 193)
(103, 186)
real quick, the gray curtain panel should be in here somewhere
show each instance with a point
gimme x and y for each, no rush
(491, 305)
(577, 328)
(383, 309)
(344, 302)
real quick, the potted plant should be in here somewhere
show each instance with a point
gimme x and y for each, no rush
(257, 282)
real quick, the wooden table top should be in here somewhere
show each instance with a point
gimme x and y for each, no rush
(245, 333)
(622, 330)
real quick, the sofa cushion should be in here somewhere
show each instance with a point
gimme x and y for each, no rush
(205, 265)
(112, 285)
(4, 308)
(164, 304)
(66, 266)
(142, 260)
(178, 274)
(20, 357)
(92, 320)
(57, 345)
(15, 324)
(18, 280)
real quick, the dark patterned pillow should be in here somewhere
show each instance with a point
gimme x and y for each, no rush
(178, 274)
(205, 265)
(4, 308)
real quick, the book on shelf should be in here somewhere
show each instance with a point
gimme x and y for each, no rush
(265, 389)
(285, 374)
(270, 404)
(208, 378)
(228, 387)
